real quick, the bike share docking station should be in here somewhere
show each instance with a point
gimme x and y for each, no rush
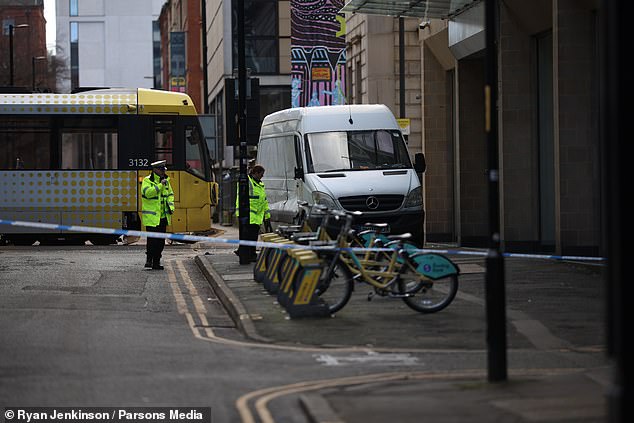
(265, 269)
(312, 281)
(291, 274)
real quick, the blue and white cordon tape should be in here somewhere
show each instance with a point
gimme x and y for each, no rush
(197, 238)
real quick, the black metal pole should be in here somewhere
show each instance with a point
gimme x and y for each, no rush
(243, 205)
(495, 295)
(11, 55)
(615, 87)
(203, 23)
(401, 65)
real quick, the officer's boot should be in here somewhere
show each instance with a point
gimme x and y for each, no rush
(156, 264)
(148, 261)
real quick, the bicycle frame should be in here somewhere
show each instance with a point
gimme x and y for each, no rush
(382, 278)
(393, 272)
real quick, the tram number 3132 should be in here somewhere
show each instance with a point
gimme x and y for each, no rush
(138, 162)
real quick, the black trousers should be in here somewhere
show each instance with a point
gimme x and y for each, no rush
(154, 248)
(251, 233)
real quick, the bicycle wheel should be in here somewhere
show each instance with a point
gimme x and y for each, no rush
(337, 291)
(426, 295)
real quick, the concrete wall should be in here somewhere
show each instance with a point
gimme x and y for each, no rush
(576, 182)
(518, 138)
(575, 137)
(577, 91)
(115, 42)
(218, 44)
(372, 52)
(473, 153)
(438, 146)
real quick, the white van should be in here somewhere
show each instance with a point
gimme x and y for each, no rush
(350, 157)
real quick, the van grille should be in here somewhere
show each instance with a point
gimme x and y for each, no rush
(360, 202)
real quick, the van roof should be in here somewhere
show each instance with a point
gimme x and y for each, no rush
(336, 118)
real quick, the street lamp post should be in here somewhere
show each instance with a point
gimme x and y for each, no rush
(33, 60)
(11, 29)
(494, 281)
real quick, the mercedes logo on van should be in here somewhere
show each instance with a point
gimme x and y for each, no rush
(372, 203)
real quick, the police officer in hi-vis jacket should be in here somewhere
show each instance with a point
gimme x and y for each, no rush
(259, 208)
(157, 201)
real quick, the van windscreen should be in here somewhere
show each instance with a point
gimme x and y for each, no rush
(356, 150)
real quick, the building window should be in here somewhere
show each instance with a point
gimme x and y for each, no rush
(214, 134)
(74, 55)
(273, 99)
(261, 36)
(358, 93)
(163, 140)
(74, 8)
(220, 127)
(349, 95)
(156, 53)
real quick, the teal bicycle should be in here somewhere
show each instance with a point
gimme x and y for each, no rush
(426, 282)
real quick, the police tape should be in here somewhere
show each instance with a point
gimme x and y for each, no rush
(215, 240)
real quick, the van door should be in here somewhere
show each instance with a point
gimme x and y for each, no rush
(296, 179)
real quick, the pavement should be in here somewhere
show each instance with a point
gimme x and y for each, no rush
(558, 370)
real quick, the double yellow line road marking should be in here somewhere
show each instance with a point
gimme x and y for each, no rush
(262, 397)
(204, 330)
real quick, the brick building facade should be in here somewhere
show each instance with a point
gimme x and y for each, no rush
(28, 42)
(183, 16)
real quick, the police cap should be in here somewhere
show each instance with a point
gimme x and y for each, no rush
(160, 164)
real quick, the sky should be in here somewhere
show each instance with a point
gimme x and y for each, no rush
(49, 15)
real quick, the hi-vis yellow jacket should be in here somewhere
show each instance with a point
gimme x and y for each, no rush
(157, 200)
(257, 202)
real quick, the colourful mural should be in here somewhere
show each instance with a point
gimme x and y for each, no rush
(318, 53)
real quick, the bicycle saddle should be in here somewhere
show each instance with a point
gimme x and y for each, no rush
(376, 225)
(401, 237)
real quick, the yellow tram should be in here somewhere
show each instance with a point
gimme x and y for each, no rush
(79, 159)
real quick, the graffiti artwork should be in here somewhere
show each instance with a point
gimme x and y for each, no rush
(318, 53)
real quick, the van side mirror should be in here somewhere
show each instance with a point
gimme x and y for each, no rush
(419, 163)
(299, 173)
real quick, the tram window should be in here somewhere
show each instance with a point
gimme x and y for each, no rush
(193, 155)
(164, 142)
(103, 123)
(24, 143)
(89, 150)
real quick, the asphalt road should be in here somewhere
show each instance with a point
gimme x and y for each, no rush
(89, 326)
